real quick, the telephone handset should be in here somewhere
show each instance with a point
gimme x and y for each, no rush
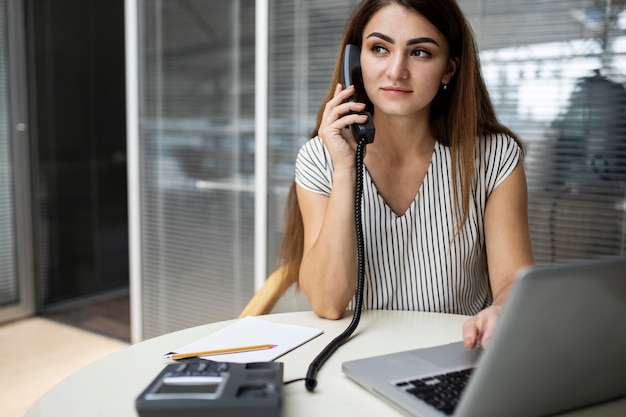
(351, 75)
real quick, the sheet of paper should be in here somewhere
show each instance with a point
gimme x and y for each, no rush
(251, 331)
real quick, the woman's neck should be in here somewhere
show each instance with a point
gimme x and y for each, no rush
(402, 138)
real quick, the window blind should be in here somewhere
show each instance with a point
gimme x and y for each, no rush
(197, 161)
(541, 60)
(304, 39)
(9, 288)
(556, 72)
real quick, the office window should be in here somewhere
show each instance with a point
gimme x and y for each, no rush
(304, 40)
(196, 63)
(556, 71)
(544, 62)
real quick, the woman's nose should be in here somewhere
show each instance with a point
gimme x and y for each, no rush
(397, 69)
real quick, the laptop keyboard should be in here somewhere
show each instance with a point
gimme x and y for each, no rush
(440, 391)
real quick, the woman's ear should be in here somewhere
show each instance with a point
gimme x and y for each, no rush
(453, 64)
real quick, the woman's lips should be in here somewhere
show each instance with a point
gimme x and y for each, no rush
(396, 90)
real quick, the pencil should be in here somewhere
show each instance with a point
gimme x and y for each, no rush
(175, 356)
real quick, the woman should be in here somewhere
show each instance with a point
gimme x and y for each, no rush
(445, 198)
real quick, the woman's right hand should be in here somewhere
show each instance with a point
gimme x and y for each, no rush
(335, 130)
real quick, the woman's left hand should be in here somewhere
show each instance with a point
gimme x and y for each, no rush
(479, 328)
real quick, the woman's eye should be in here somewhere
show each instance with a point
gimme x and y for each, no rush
(378, 49)
(422, 53)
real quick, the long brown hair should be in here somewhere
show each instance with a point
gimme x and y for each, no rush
(459, 115)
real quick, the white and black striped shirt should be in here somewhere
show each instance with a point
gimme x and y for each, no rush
(411, 261)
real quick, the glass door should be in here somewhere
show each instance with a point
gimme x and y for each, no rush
(16, 289)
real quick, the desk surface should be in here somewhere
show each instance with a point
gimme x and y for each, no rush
(109, 386)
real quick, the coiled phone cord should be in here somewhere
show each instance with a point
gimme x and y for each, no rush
(310, 380)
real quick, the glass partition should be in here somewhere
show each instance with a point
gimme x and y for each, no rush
(196, 136)
(556, 71)
(548, 65)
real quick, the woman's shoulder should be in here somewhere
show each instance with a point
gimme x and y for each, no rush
(488, 144)
(497, 138)
(315, 144)
(498, 143)
(496, 157)
(314, 167)
(312, 149)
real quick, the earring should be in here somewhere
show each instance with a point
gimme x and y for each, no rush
(445, 86)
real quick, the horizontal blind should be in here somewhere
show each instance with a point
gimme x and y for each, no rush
(197, 127)
(546, 64)
(197, 161)
(304, 39)
(9, 289)
(556, 72)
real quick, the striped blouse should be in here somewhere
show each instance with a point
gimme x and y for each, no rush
(411, 261)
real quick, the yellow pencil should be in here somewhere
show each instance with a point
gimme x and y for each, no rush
(175, 356)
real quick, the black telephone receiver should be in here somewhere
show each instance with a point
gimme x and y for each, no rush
(351, 75)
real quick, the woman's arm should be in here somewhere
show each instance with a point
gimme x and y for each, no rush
(328, 268)
(508, 250)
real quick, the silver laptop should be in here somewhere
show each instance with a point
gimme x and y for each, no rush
(560, 344)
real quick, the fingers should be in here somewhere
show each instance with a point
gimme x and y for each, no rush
(478, 329)
(470, 333)
(343, 114)
(338, 106)
(339, 114)
(486, 333)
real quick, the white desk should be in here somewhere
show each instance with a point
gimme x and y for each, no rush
(109, 386)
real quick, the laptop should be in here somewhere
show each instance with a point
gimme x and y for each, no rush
(560, 344)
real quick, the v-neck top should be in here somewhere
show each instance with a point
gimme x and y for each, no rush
(415, 261)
